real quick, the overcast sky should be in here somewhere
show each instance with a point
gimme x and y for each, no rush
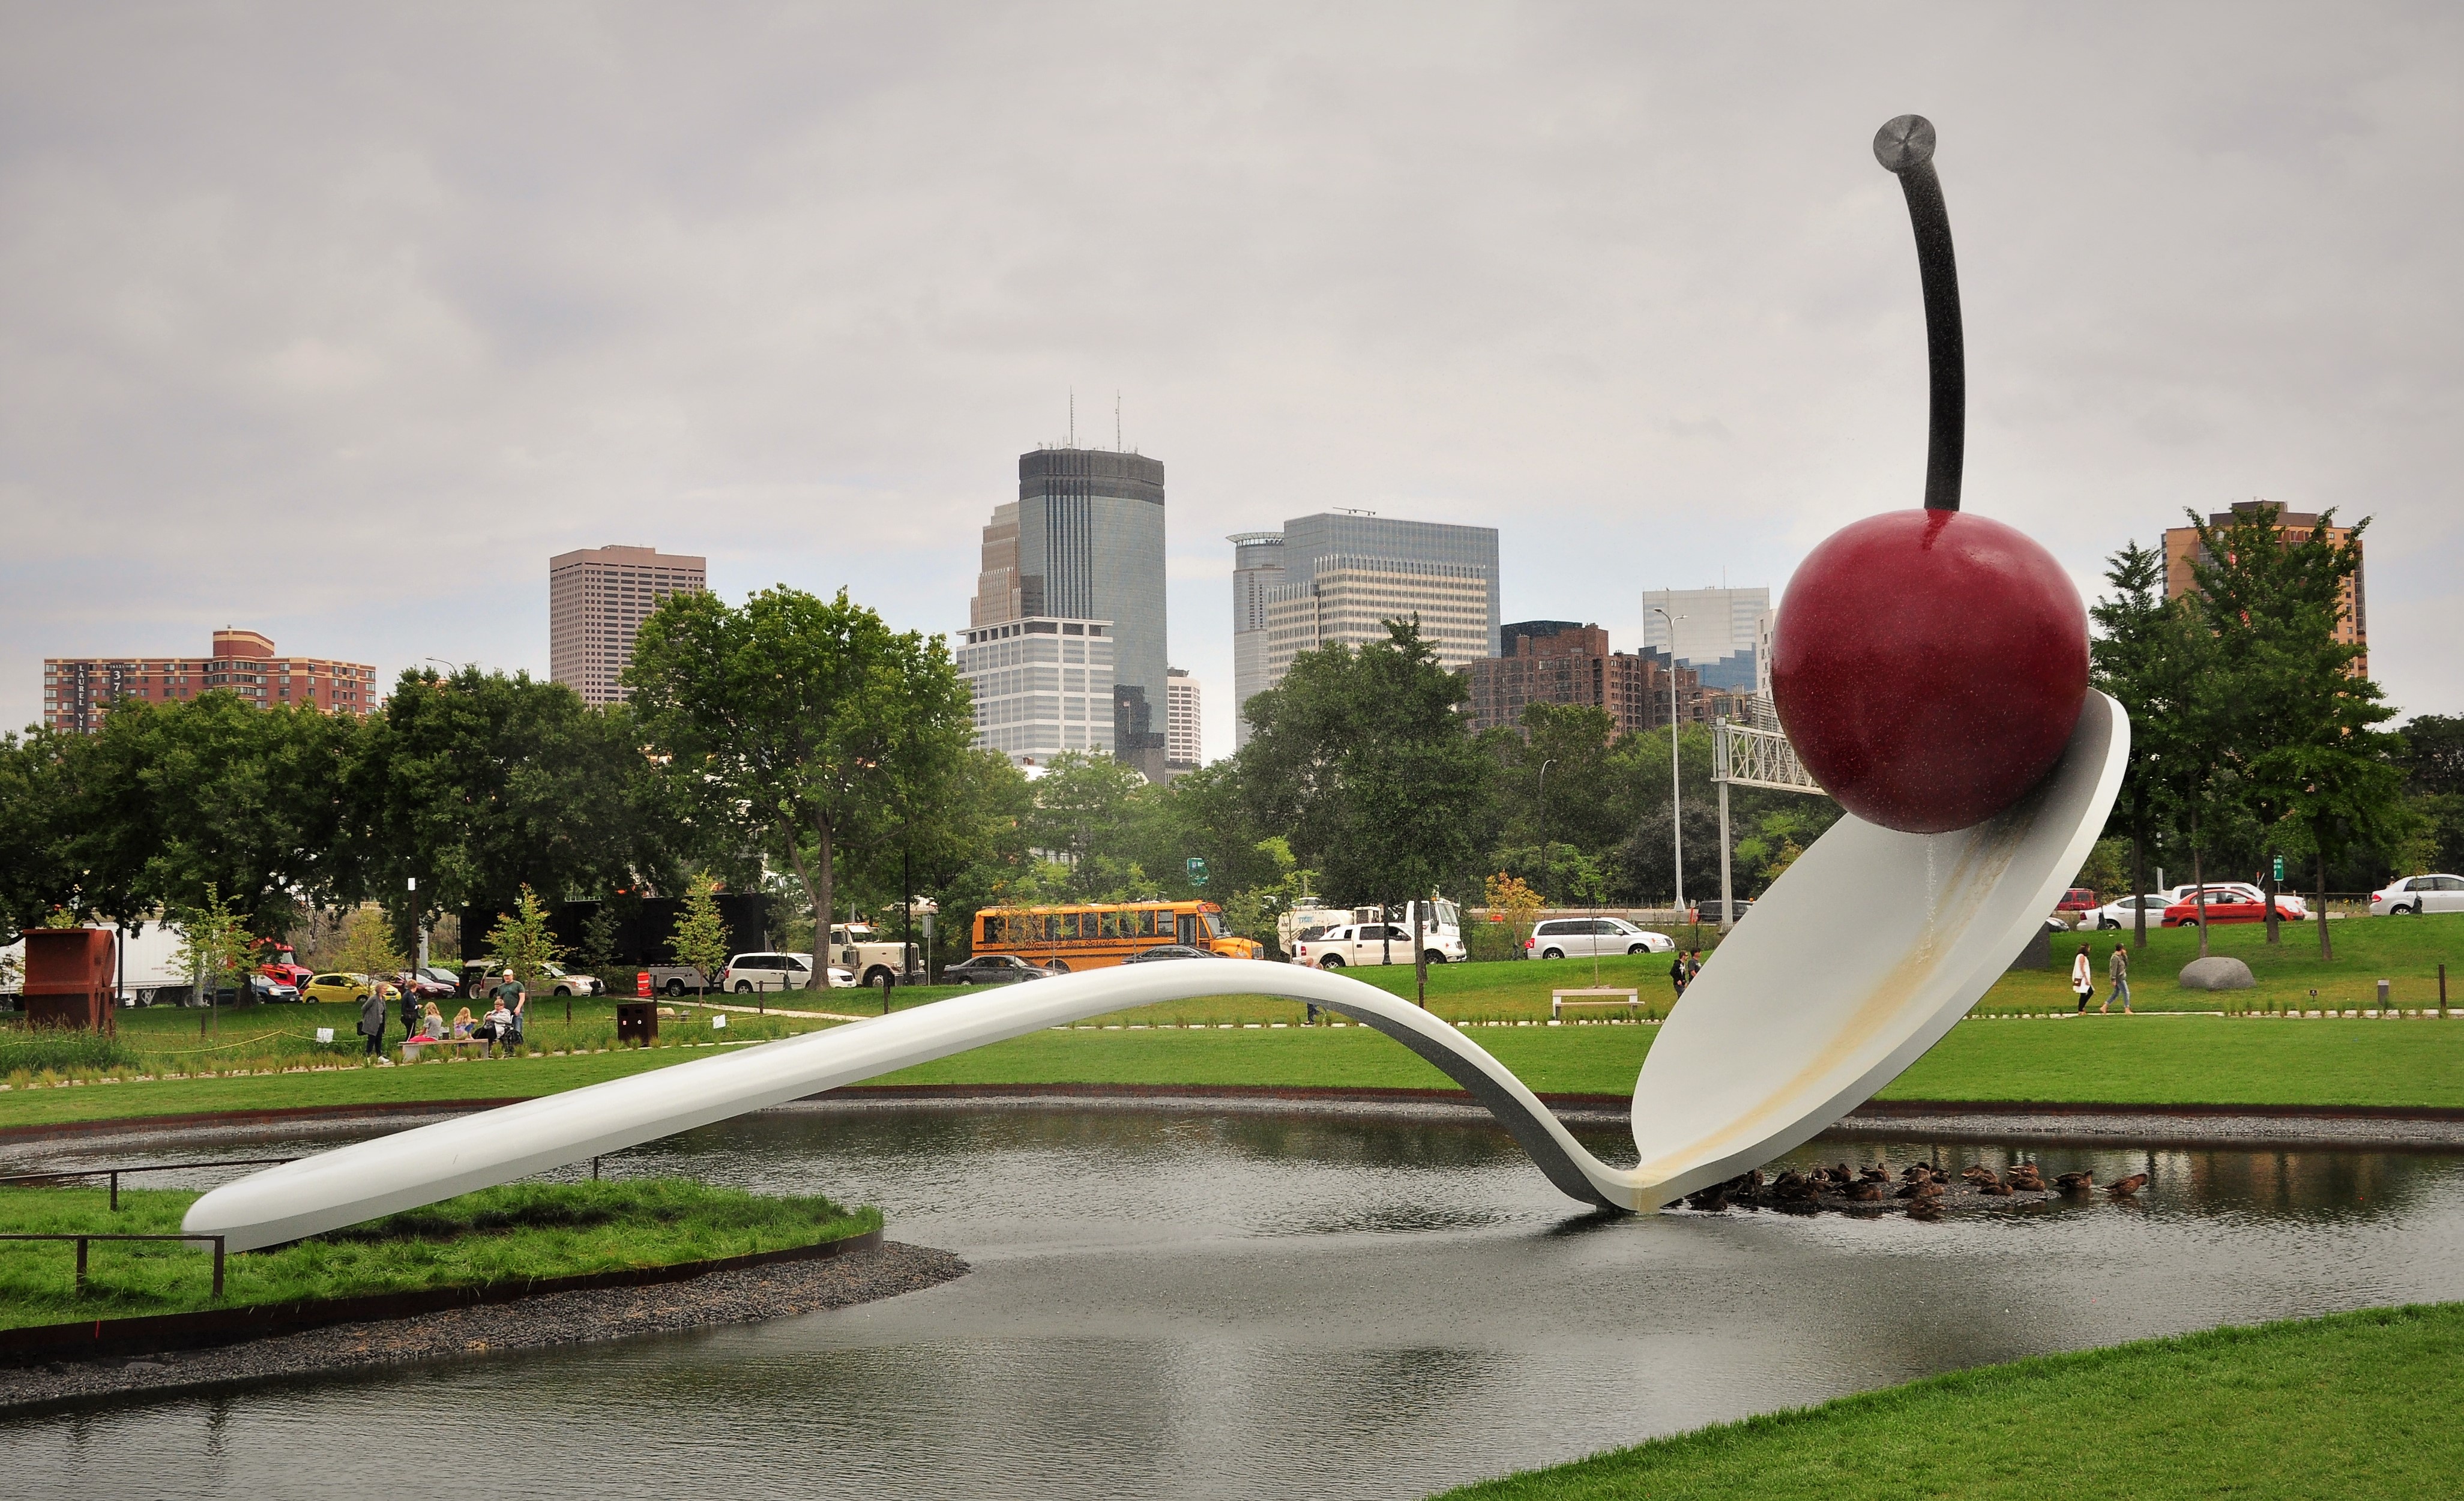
(338, 326)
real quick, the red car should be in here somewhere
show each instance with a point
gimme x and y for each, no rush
(2225, 904)
(2076, 903)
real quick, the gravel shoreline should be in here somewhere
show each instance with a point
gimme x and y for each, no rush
(557, 1319)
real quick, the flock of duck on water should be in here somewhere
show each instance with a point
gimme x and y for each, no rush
(1921, 1187)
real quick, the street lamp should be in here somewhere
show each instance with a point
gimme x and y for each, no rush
(1676, 790)
(1544, 824)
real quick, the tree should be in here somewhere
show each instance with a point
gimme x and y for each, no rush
(599, 932)
(479, 784)
(521, 943)
(701, 937)
(2301, 723)
(2139, 656)
(1575, 801)
(367, 945)
(1362, 756)
(216, 945)
(797, 724)
(1517, 901)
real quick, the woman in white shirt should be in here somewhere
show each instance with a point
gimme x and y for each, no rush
(2082, 978)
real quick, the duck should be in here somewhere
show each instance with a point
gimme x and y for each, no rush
(1915, 1171)
(1992, 1186)
(1925, 1209)
(1979, 1172)
(2128, 1186)
(2076, 1182)
(1865, 1193)
(1921, 1188)
(2026, 1177)
(1876, 1174)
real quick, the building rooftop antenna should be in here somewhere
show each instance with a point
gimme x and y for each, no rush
(1116, 419)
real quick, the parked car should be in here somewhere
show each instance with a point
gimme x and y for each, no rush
(2122, 911)
(1163, 951)
(331, 986)
(2415, 894)
(557, 981)
(1566, 938)
(2075, 905)
(1365, 943)
(2224, 904)
(748, 973)
(993, 969)
(432, 983)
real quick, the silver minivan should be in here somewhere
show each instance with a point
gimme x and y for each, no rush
(1573, 938)
(748, 973)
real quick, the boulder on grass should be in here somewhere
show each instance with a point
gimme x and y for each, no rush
(2217, 973)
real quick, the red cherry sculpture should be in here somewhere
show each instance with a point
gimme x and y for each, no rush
(1928, 666)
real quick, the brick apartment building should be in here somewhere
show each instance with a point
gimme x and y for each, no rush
(80, 690)
(2182, 551)
(1558, 661)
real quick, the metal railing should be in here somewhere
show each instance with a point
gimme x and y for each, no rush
(84, 1239)
(113, 1173)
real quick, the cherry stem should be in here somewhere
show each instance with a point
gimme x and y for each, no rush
(1904, 147)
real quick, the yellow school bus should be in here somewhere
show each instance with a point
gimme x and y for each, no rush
(1101, 933)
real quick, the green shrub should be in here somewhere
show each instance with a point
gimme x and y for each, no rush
(61, 1050)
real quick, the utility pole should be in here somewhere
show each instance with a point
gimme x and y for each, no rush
(1676, 787)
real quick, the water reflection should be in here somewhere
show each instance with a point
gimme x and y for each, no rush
(1229, 1304)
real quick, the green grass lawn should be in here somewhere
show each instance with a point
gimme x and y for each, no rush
(2357, 1404)
(515, 1233)
(2404, 951)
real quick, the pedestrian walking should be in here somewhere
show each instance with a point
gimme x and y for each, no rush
(372, 1019)
(1693, 967)
(1677, 976)
(2118, 968)
(2082, 979)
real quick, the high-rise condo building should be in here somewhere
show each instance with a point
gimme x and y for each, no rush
(80, 690)
(1083, 542)
(1042, 686)
(1257, 567)
(2182, 552)
(1181, 743)
(597, 598)
(1556, 661)
(1344, 574)
(1717, 633)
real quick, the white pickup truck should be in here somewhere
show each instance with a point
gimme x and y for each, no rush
(1373, 944)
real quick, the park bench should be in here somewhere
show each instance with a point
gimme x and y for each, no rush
(1559, 999)
(412, 1047)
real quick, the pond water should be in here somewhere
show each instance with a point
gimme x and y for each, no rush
(1248, 1304)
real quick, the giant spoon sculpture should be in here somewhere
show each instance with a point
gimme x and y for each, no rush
(1931, 669)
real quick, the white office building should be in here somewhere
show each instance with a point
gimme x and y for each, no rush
(1180, 738)
(1043, 685)
(1718, 632)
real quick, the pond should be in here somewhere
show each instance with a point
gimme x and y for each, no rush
(1219, 1302)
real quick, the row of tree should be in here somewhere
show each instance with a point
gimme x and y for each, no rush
(798, 747)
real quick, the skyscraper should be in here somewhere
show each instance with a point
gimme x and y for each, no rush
(1042, 686)
(1717, 633)
(1557, 661)
(597, 598)
(1339, 575)
(1182, 745)
(1257, 567)
(1084, 541)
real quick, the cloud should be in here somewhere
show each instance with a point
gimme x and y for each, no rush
(341, 322)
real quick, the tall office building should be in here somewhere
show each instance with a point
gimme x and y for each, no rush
(1257, 566)
(1083, 542)
(80, 690)
(597, 598)
(1182, 741)
(1556, 661)
(1339, 576)
(2182, 552)
(1042, 686)
(1717, 633)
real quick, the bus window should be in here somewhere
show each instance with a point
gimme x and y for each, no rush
(1148, 926)
(1213, 924)
(1111, 924)
(1188, 928)
(993, 929)
(1070, 927)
